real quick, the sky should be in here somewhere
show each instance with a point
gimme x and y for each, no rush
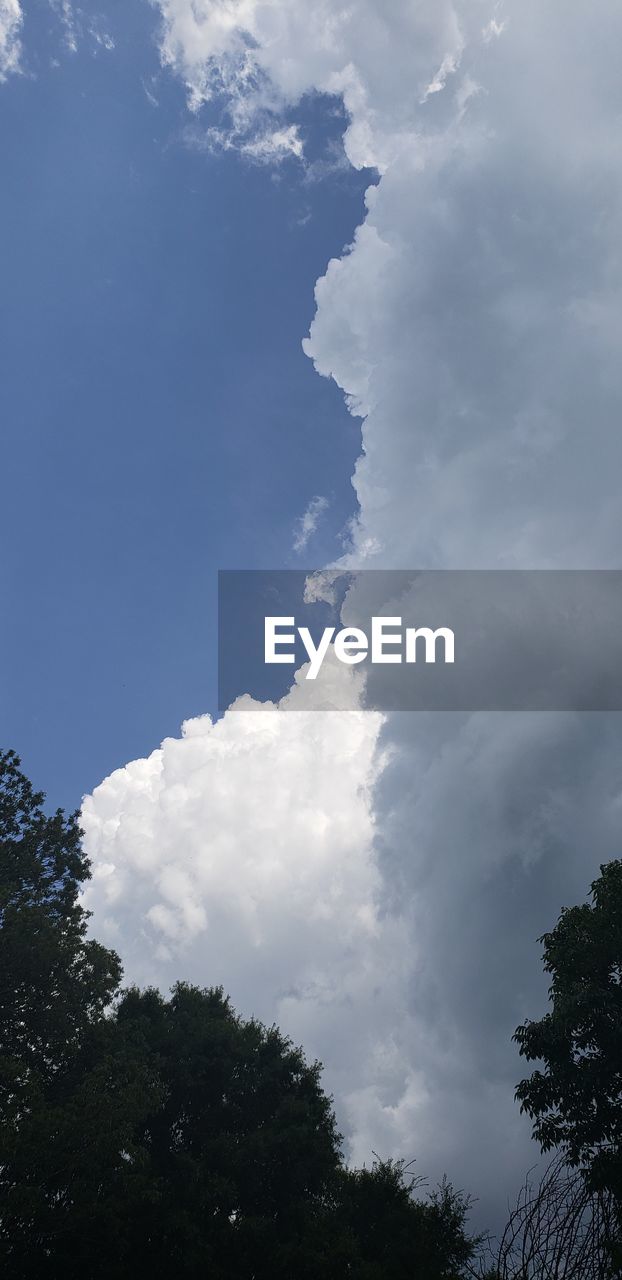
(161, 419)
(337, 281)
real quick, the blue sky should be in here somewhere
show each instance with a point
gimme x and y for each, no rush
(161, 419)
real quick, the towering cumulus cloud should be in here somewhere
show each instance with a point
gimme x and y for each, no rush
(241, 854)
(402, 871)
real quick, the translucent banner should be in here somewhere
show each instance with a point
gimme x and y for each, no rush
(427, 640)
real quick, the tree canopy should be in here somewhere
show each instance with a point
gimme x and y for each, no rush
(575, 1097)
(575, 1101)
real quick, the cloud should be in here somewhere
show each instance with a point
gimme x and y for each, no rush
(77, 29)
(67, 16)
(307, 524)
(473, 325)
(240, 854)
(493, 29)
(274, 145)
(11, 19)
(379, 58)
(448, 67)
(378, 886)
(265, 145)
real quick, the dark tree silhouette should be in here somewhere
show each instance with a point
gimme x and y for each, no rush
(54, 984)
(558, 1230)
(575, 1101)
(69, 1093)
(575, 1097)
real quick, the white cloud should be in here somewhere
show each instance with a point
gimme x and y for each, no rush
(307, 524)
(11, 19)
(76, 29)
(265, 144)
(69, 21)
(448, 67)
(379, 58)
(274, 145)
(493, 29)
(241, 854)
(388, 919)
(101, 37)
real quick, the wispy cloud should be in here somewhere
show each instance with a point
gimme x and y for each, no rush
(307, 523)
(76, 27)
(65, 11)
(11, 19)
(275, 144)
(448, 67)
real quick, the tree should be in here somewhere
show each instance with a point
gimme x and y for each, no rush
(575, 1101)
(169, 1136)
(240, 1148)
(558, 1230)
(242, 1165)
(386, 1230)
(63, 1117)
(54, 983)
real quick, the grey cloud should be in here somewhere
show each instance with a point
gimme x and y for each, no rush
(475, 325)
